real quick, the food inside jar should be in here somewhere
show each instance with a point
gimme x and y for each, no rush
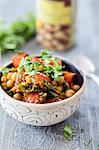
(58, 37)
(56, 24)
(43, 79)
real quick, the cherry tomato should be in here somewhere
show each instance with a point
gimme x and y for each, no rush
(17, 58)
(33, 98)
(42, 77)
(68, 76)
(52, 62)
(59, 62)
(36, 59)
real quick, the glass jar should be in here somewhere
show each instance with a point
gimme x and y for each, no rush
(55, 24)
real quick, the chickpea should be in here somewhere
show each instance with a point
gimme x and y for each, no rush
(25, 84)
(10, 83)
(17, 96)
(28, 79)
(49, 28)
(25, 94)
(69, 93)
(61, 80)
(13, 76)
(54, 83)
(48, 36)
(41, 68)
(9, 75)
(4, 85)
(4, 78)
(62, 95)
(59, 35)
(75, 87)
(18, 90)
(59, 89)
(13, 89)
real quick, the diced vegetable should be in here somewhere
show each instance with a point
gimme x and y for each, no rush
(68, 76)
(42, 77)
(36, 59)
(17, 59)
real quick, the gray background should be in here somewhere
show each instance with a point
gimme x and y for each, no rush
(18, 136)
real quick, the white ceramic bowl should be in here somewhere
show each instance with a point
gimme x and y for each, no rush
(43, 114)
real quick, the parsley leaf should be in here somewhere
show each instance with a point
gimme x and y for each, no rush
(97, 147)
(45, 54)
(68, 132)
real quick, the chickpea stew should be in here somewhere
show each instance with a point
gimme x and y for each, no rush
(42, 79)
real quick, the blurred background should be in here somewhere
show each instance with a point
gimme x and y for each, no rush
(87, 24)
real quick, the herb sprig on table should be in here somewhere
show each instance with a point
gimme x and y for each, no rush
(11, 38)
(68, 132)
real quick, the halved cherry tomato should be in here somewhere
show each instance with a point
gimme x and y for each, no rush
(59, 62)
(68, 76)
(17, 58)
(33, 98)
(42, 77)
(52, 62)
(36, 59)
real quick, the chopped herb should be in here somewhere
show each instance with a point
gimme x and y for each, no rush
(6, 70)
(20, 85)
(45, 54)
(97, 147)
(68, 132)
(11, 38)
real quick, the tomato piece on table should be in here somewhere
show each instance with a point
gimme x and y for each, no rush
(68, 76)
(16, 60)
(33, 98)
(36, 59)
(42, 77)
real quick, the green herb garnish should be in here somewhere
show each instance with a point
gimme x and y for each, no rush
(17, 34)
(68, 132)
(97, 147)
(20, 85)
(6, 70)
(54, 71)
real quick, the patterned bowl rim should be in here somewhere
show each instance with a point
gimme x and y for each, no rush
(78, 93)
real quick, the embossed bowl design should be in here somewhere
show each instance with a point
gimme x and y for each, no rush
(45, 114)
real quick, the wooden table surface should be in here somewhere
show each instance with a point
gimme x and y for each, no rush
(18, 136)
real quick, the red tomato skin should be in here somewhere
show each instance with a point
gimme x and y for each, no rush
(42, 77)
(52, 62)
(68, 76)
(16, 60)
(36, 59)
(60, 62)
